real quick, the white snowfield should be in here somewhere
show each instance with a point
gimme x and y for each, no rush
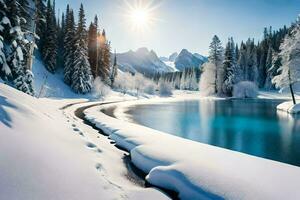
(289, 107)
(199, 171)
(49, 154)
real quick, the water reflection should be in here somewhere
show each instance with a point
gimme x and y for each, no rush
(249, 126)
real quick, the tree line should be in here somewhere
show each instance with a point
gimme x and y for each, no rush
(253, 62)
(84, 54)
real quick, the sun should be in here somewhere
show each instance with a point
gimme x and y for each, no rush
(140, 17)
(141, 14)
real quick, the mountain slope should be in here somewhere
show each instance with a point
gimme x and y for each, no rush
(188, 60)
(179, 62)
(142, 61)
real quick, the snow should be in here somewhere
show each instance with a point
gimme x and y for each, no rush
(196, 170)
(171, 64)
(289, 107)
(48, 153)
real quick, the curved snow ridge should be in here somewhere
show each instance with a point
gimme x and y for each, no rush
(196, 170)
(289, 107)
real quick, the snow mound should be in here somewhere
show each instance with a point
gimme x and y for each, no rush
(199, 171)
(289, 107)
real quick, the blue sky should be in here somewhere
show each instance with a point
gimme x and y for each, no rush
(187, 24)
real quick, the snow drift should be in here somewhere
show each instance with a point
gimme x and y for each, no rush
(199, 171)
(289, 107)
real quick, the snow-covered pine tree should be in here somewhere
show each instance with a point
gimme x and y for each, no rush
(114, 71)
(40, 21)
(290, 60)
(216, 59)
(25, 14)
(93, 45)
(237, 52)
(270, 73)
(69, 46)
(229, 65)
(49, 51)
(81, 77)
(104, 58)
(183, 80)
(16, 47)
(5, 71)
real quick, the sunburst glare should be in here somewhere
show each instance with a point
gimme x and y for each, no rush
(141, 14)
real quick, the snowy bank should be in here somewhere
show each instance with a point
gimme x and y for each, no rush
(47, 154)
(196, 170)
(289, 107)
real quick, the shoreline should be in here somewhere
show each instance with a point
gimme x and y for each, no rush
(143, 143)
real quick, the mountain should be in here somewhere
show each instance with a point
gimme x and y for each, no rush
(178, 62)
(173, 57)
(142, 61)
(188, 60)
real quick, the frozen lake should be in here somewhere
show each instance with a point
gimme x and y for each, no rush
(249, 126)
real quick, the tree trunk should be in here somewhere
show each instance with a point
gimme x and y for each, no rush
(292, 92)
(291, 88)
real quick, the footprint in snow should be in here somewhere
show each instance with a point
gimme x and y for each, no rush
(91, 145)
(81, 133)
(76, 129)
(98, 166)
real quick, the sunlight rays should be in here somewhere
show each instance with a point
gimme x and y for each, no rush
(141, 14)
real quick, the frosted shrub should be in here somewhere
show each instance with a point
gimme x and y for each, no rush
(150, 88)
(207, 82)
(124, 82)
(139, 82)
(100, 90)
(245, 89)
(165, 89)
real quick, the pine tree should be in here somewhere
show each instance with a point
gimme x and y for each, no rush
(114, 71)
(104, 58)
(242, 61)
(93, 46)
(269, 64)
(40, 21)
(251, 72)
(16, 47)
(290, 59)
(82, 77)
(5, 71)
(216, 59)
(49, 51)
(229, 67)
(60, 38)
(25, 14)
(69, 46)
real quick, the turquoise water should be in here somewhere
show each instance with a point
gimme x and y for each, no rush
(249, 126)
